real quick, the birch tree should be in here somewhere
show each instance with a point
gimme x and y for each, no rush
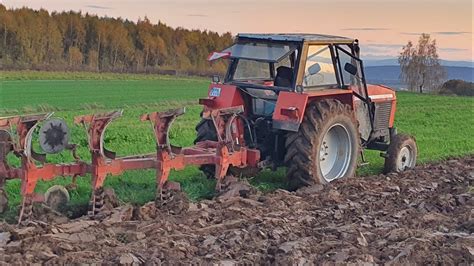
(420, 67)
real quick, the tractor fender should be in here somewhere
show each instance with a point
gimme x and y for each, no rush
(222, 96)
(291, 106)
(289, 110)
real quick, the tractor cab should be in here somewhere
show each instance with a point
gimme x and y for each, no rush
(292, 62)
(264, 65)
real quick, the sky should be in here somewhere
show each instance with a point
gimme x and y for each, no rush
(382, 26)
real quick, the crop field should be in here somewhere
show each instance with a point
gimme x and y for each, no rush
(443, 126)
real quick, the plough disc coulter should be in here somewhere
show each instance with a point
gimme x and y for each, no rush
(16, 137)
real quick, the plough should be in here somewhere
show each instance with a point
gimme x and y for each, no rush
(16, 136)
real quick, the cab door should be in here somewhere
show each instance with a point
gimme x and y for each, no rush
(351, 74)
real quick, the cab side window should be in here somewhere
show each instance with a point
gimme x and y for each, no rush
(319, 69)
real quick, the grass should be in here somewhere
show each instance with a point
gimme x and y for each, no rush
(61, 75)
(90, 91)
(442, 125)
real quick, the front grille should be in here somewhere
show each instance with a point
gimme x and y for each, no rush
(382, 115)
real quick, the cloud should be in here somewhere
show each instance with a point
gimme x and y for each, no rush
(98, 7)
(449, 49)
(197, 15)
(412, 33)
(380, 50)
(451, 32)
(383, 45)
(437, 33)
(366, 29)
(369, 56)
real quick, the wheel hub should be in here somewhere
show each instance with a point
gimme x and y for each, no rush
(405, 159)
(335, 153)
(323, 152)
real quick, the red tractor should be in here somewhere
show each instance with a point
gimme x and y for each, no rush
(299, 101)
(306, 106)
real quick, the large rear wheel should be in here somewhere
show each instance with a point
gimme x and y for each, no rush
(326, 146)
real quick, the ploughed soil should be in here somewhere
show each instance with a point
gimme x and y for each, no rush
(424, 216)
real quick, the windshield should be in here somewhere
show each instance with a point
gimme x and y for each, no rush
(268, 52)
(252, 70)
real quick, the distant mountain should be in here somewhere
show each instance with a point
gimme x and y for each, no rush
(394, 62)
(390, 75)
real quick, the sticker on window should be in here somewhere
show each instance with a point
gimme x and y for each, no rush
(215, 92)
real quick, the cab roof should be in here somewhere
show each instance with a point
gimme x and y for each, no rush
(297, 37)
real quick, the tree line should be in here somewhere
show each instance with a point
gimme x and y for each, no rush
(39, 40)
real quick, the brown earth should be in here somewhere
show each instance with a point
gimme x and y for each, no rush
(421, 216)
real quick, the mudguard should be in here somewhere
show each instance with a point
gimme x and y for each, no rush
(289, 111)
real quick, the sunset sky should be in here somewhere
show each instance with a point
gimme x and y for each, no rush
(381, 26)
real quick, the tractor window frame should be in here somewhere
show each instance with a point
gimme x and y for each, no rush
(360, 68)
(334, 63)
(296, 58)
(272, 57)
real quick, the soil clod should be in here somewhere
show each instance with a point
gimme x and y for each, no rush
(423, 216)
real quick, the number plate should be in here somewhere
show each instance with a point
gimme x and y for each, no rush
(215, 92)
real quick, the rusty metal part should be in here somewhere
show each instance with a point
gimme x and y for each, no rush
(57, 197)
(54, 136)
(16, 136)
(26, 211)
(103, 200)
(222, 153)
(96, 202)
(3, 200)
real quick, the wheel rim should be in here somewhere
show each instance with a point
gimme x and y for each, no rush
(335, 153)
(406, 159)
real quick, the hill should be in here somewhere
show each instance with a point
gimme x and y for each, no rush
(394, 62)
(390, 75)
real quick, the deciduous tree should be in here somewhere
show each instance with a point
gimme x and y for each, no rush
(72, 40)
(420, 67)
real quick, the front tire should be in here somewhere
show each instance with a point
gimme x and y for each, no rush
(326, 146)
(401, 154)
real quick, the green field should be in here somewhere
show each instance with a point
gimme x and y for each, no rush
(443, 126)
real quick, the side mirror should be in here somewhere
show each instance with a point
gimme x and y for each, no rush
(314, 69)
(216, 79)
(348, 67)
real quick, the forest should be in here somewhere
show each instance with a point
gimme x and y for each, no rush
(73, 41)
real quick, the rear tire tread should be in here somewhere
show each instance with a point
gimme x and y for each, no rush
(300, 145)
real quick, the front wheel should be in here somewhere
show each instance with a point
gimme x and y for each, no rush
(401, 154)
(326, 146)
